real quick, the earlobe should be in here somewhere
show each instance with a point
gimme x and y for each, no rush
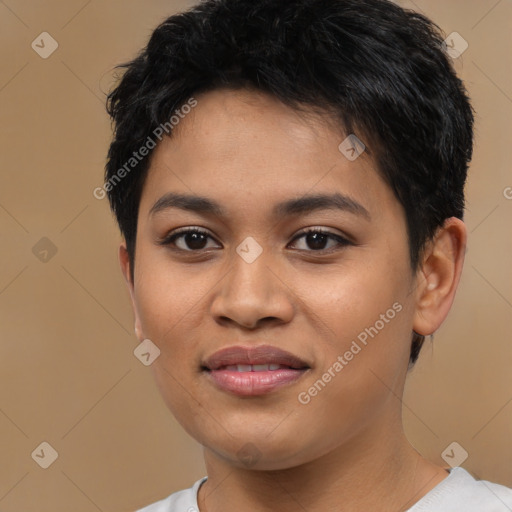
(439, 276)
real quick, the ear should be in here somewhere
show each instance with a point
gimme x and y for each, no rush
(124, 261)
(439, 275)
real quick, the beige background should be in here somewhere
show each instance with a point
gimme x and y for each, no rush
(68, 373)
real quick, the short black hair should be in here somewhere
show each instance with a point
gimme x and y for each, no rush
(379, 70)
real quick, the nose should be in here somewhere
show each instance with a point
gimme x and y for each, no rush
(253, 293)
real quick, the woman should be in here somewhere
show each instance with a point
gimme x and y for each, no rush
(289, 181)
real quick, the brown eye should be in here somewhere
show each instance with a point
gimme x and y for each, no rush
(317, 240)
(188, 240)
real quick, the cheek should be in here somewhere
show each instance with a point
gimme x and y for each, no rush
(363, 357)
(362, 317)
(167, 295)
(170, 316)
(169, 308)
(349, 299)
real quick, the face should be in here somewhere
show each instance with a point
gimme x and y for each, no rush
(260, 264)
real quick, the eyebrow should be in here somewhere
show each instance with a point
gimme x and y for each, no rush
(301, 205)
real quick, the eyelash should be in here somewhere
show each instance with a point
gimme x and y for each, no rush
(171, 238)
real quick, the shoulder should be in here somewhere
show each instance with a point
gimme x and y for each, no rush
(181, 501)
(461, 492)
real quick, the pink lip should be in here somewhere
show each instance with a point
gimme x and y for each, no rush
(261, 354)
(251, 383)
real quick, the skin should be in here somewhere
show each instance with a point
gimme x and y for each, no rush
(247, 151)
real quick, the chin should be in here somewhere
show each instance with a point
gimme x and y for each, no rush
(255, 452)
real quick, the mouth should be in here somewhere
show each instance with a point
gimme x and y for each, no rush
(254, 367)
(250, 371)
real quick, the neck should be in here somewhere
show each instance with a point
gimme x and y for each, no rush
(378, 469)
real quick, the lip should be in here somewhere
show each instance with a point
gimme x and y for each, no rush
(261, 354)
(256, 381)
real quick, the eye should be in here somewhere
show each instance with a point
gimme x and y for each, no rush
(187, 239)
(317, 239)
(195, 240)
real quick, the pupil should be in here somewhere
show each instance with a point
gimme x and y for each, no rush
(194, 242)
(316, 240)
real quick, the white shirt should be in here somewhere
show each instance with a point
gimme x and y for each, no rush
(458, 492)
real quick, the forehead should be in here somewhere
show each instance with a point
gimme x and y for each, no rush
(227, 119)
(248, 148)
